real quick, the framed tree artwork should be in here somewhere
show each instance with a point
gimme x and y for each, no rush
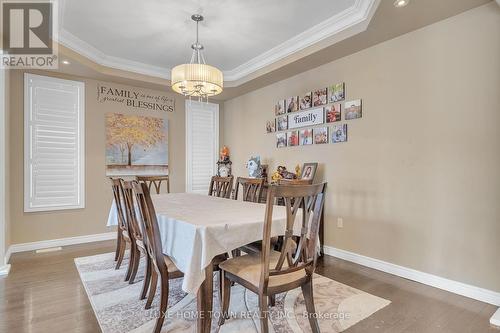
(136, 145)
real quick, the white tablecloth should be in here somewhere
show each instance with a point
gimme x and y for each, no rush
(195, 228)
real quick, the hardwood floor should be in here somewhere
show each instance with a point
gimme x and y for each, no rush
(43, 293)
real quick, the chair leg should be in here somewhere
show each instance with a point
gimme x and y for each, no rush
(307, 290)
(131, 261)
(272, 300)
(121, 254)
(118, 243)
(137, 261)
(152, 290)
(264, 312)
(147, 278)
(163, 304)
(225, 297)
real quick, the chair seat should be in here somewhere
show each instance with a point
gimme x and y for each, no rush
(248, 268)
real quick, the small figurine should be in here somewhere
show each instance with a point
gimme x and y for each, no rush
(276, 176)
(286, 174)
(224, 163)
(297, 171)
(282, 173)
(254, 167)
(224, 154)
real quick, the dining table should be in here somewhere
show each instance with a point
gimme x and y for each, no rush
(195, 229)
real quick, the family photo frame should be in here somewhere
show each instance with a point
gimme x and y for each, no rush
(298, 117)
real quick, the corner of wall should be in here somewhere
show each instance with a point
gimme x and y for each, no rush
(7, 164)
(4, 172)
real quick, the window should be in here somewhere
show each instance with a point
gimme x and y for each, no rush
(202, 144)
(54, 138)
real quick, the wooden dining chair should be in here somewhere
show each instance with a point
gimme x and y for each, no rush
(119, 217)
(221, 187)
(162, 266)
(124, 236)
(251, 191)
(140, 247)
(251, 188)
(156, 181)
(272, 272)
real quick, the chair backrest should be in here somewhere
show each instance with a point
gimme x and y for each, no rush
(117, 186)
(147, 217)
(133, 224)
(156, 181)
(309, 199)
(221, 187)
(252, 188)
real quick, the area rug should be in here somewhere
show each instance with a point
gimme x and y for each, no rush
(118, 309)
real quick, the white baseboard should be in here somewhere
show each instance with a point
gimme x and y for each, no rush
(7, 255)
(32, 246)
(481, 294)
(495, 320)
(4, 270)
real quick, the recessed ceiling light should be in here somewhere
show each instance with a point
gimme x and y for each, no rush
(401, 3)
(66, 62)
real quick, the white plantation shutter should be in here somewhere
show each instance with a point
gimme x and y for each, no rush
(202, 143)
(54, 138)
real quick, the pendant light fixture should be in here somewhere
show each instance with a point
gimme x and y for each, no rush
(197, 79)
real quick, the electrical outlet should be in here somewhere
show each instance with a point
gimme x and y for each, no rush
(340, 222)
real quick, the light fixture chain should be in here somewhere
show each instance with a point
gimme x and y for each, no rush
(197, 23)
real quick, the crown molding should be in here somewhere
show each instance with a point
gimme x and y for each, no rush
(345, 24)
(83, 48)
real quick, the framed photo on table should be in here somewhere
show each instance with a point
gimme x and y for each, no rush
(309, 171)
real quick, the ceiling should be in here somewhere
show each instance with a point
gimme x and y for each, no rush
(380, 24)
(240, 36)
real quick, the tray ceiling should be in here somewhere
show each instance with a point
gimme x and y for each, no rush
(240, 36)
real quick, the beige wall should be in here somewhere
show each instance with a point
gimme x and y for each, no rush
(417, 184)
(30, 227)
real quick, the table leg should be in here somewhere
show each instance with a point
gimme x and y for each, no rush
(322, 232)
(205, 301)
